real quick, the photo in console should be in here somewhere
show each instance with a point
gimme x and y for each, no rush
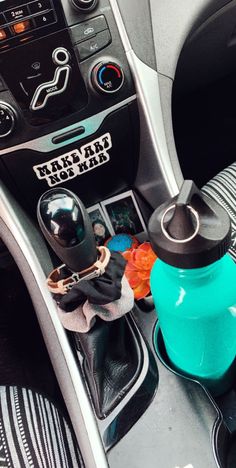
(124, 214)
(101, 225)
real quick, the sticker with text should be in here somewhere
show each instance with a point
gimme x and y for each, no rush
(76, 162)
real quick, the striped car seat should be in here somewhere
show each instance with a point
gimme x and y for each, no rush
(223, 189)
(33, 432)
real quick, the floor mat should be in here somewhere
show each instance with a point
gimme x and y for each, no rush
(23, 357)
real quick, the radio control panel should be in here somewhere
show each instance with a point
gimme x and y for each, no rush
(22, 22)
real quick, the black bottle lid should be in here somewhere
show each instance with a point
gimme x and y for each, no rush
(191, 230)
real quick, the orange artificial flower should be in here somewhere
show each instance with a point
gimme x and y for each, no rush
(138, 269)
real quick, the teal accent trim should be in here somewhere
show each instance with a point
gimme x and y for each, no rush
(44, 144)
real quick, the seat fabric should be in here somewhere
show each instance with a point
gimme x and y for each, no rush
(222, 188)
(33, 432)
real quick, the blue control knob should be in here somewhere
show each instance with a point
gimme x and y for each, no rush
(107, 78)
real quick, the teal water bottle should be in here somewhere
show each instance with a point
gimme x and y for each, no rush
(193, 283)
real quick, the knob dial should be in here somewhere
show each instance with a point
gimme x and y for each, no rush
(107, 78)
(84, 4)
(7, 119)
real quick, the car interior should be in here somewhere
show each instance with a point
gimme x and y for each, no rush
(103, 101)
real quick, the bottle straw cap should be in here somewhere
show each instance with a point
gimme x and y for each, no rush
(191, 230)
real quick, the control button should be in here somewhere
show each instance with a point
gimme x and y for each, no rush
(60, 56)
(37, 7)
(23, 26)
(2, 19)
(4, 34)
(44, 20)
(81, 32)
(46, 90)
(84, 4)
(7, 119)
(87, 48)
(16, 13)
(107, 77)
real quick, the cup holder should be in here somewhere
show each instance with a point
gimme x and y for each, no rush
(215, 387)
(231, 453)
(160, 349)
(225, 436)
(225, 447)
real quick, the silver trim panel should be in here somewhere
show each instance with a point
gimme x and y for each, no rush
(45, 144)
(51, 85)
(149, 100)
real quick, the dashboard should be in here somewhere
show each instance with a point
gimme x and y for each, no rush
(69, 74)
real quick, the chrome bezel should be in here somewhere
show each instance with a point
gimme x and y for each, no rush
(57, 51)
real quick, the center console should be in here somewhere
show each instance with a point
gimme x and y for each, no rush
(79, 110)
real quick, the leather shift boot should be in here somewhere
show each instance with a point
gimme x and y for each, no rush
(112, 362)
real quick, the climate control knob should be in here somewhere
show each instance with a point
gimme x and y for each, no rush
(107, 77)
(7, 119)
(84, 4)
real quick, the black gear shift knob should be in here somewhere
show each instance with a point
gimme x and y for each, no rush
(66, 225)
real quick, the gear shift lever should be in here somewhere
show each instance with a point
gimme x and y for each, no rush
(65, 224)
(110, 348)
